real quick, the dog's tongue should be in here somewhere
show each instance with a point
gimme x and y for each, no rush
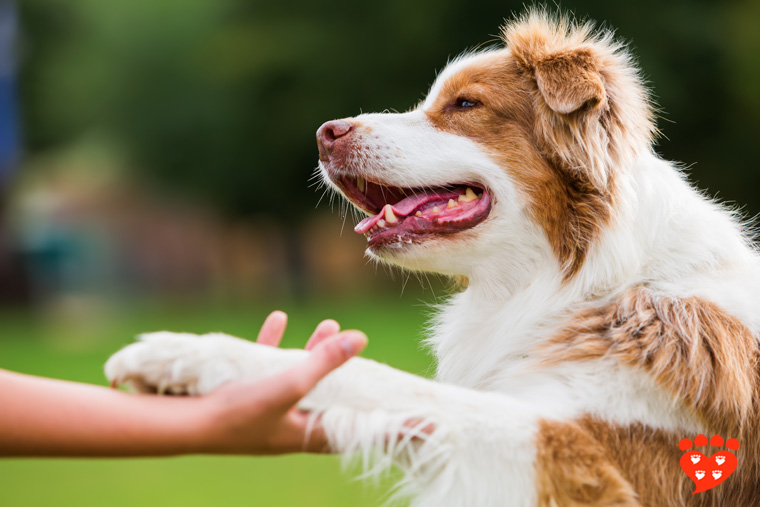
(411, 203)
(404, 208)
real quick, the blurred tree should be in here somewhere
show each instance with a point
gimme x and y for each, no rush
(221, 98)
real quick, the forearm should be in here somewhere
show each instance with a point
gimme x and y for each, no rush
(45, 417)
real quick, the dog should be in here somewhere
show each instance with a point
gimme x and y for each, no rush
(609, 309)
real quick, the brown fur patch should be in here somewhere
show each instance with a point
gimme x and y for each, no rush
(569, 81)
(572, 470)
(706, 359)
(569, 208)
(649, 459)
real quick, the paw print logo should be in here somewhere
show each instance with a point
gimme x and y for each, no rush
(720, 465)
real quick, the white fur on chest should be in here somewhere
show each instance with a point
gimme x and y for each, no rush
(487, 351)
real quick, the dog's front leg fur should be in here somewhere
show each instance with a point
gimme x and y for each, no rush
(452, 443)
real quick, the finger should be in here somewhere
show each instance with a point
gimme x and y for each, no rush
(324, 329)
(273, 329)
(293, 384)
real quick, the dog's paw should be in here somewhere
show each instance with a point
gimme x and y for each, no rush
(699, 474)
(177, 363)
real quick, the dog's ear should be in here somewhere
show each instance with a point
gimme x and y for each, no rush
(593, 111)
(569, 81)
(571, 94)
(570, 91)
(560, 56)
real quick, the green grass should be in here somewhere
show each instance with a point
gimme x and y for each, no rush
(76, 349)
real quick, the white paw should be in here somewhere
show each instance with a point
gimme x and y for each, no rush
(716, 474)
(695, 458)
(699, 474)
(720, 459)
(177, 363)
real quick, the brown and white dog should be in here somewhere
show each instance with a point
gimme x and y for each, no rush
(610, 308)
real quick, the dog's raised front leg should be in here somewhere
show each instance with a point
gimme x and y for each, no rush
(457, 447)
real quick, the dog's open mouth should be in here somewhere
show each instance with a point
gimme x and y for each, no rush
(408, 215)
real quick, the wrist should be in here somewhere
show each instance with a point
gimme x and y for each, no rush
(201, 430)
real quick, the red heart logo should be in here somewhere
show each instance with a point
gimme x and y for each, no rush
(706, 473)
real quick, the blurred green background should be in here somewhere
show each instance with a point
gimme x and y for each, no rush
(155, 158)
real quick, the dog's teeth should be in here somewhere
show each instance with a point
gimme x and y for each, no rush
(452, 203)
(468, 196)
(436, 209)
(381, 222)
(418, 214)
(390, 217)
(361, 184)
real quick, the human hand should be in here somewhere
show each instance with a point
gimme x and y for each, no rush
(260, 416)
(50, 417)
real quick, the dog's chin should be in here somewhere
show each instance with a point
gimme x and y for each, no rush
(435, 253)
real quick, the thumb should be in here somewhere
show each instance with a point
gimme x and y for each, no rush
(296, 382)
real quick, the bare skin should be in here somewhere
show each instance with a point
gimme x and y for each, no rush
(56, 418)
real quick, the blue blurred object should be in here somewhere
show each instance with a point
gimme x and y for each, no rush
(9, 131)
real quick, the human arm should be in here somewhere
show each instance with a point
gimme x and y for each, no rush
(47, 417)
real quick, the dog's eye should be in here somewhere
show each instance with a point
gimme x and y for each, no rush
(463, 103)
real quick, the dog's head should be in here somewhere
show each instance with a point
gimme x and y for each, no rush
(512, 155)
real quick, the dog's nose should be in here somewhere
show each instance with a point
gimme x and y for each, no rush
(328, 133)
